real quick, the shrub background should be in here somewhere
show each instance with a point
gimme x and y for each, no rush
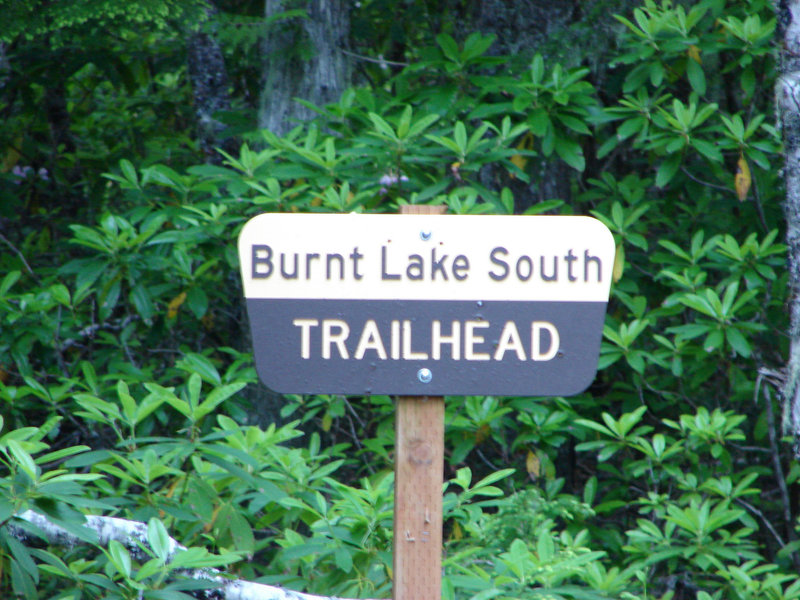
(126, 381)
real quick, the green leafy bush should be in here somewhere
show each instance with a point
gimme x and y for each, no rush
(127, 385)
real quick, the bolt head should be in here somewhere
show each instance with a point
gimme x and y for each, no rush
(424, 375)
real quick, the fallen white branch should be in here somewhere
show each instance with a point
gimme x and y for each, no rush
(133, 535)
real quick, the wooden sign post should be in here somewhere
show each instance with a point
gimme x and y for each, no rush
(418, 476)
(418, 473)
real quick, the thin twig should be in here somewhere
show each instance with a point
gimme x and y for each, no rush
(484, 459)
(354, 413)
(90, 330)
(761, 516)
(706, 183)
(751, 449)
(776, 456)
(773, 442)
(759, 206)
(14, 249)
(381, 61)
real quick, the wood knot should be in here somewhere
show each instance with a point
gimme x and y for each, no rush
(421, 452)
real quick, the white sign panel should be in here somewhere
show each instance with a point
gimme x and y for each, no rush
(426, 304)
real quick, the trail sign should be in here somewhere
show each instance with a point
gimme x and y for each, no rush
(426, 304)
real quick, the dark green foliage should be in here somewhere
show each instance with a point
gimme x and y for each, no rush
(60, 21)
(124, 374)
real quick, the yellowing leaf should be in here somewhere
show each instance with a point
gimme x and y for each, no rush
(207, 527)
(173, 487)
(742, 179)
(327, 421)
(519, 161)
(694, 54)
(457, 532)
(175, 304)
(454, 170)
(619, 263)
(532, 464)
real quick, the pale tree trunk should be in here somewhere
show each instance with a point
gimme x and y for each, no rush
(133, 536)
(304, 59)
(788, 104)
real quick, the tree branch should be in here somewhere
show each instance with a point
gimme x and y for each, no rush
(21, 256)
(133, 535)
(788, 112)
(380, 60)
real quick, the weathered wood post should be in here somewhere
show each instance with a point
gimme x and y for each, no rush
(418, 474)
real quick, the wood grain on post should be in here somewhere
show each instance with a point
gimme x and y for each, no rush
(418, 472)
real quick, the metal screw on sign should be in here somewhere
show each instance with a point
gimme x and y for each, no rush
(424, 375)
(425, 235)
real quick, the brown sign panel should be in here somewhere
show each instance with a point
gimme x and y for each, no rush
(426, 305)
